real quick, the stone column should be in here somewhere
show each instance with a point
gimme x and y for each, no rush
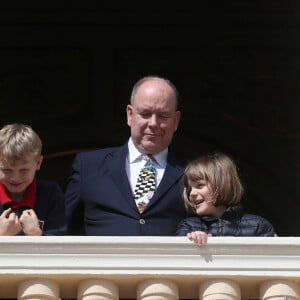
(38, 289)
(97, 289)
(157, 289)
(279, 290)
(219, 289)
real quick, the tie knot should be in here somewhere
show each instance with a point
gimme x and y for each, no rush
(146, 157)
(149, 161)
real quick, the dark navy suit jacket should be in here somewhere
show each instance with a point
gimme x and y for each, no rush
(100, 188)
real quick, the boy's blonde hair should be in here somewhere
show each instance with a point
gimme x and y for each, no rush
(220, 172)
(18, 141)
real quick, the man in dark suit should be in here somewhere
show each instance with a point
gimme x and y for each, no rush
(103, 182)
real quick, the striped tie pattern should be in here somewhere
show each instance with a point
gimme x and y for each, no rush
(145, 186)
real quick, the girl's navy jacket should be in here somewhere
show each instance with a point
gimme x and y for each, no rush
(234, 222)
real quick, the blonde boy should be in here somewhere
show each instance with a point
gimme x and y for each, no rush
(28, 206)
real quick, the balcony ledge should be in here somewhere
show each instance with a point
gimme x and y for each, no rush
(128, 260)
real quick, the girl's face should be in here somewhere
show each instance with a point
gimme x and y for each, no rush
(201, 197)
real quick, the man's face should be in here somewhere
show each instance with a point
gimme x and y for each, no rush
(153, 118)
(16, 177)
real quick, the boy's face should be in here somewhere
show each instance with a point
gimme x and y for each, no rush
(18, 176)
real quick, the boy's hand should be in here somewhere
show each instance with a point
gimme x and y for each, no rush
(198, 237)
(9, 223)
(30, 223)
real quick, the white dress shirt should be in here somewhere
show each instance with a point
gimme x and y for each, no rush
(135, 162)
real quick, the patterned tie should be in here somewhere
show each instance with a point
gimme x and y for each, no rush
(145, 186)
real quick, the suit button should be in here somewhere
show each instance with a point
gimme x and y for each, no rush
(142, 221)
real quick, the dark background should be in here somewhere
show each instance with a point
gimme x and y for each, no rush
(67, 70)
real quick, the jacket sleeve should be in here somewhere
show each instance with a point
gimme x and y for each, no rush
(265, 228)
(183, 228)
(72, 198)
(55, 221)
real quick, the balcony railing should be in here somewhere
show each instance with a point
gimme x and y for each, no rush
(148, 268)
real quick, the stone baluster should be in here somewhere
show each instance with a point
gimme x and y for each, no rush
(279, 290)
(219, 289)
(97, 289)
(157, 289)
(38, 289)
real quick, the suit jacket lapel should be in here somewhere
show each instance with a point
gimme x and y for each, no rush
(115, 163)
(173, 173)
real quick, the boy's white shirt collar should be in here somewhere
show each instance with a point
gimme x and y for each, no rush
(134, 154)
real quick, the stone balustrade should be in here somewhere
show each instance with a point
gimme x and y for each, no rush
(149, 268)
